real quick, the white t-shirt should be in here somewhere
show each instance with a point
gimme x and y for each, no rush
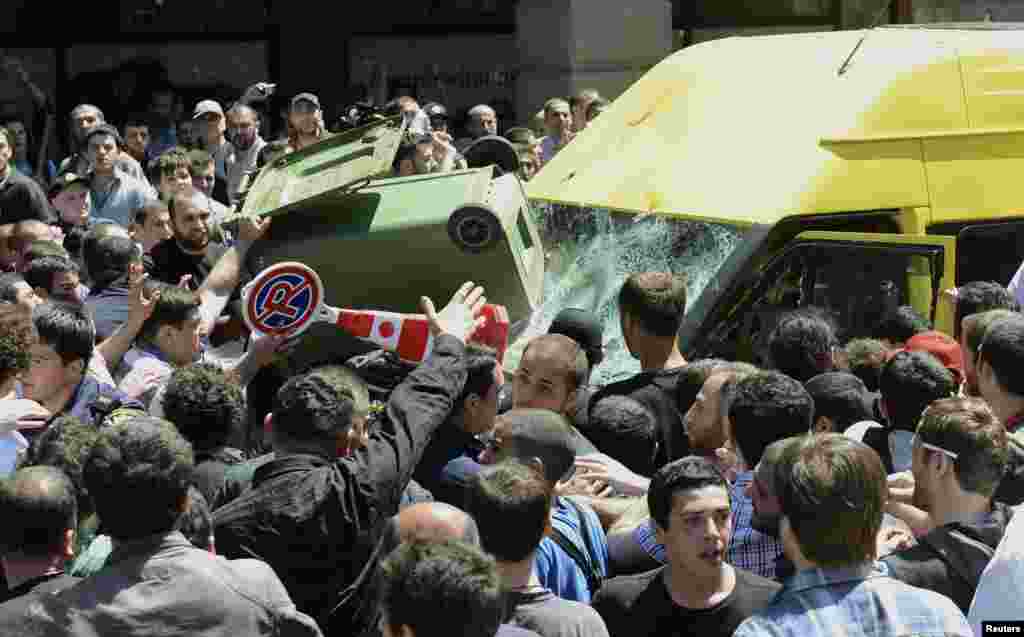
(1001, 588)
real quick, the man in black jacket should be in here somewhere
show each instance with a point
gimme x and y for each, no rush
(651, 309)
(315, 511)
(959, 457)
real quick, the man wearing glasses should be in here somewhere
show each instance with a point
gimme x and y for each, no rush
(959, 457)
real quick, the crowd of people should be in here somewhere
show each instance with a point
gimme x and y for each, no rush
(865, 487)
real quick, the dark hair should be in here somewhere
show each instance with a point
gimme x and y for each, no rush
(511, 504)
(578, 371)
(199, 159)
(66, 328)
(196, 524)
(900, 325)
(15, 341)
(981, 296)
(766, 407)
(138, 473)
(319, 405)
(1003, 350)
(841, 397)
(441, 588)
(9, 286)
(171, 160)
(173, 307)
(832, 489)
(204, 405)
(691, 380)
(657, 300)
(866, 357)
(539, 433)
(976, 325)
(65, 444)
(480, 362)
(39, 273)
(968, 428)
(107, 260)
(38, 506)
(624, 428)
(910, 382)
(801, 344)
(686, 474)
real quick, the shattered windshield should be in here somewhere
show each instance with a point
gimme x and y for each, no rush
(590, 251)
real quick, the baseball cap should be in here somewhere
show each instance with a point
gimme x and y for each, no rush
(585, 328)
(65, 180)
(207, 106)
(306, 97)
(942, 347)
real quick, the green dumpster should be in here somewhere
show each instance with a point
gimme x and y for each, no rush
(380, 242)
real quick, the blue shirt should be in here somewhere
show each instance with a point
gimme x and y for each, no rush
(556, 568)
(855, 602)
(125, 195)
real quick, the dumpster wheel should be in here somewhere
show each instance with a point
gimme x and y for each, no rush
(474, 229)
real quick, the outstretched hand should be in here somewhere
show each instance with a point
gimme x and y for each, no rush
(139, 305)
(250, 229)
(461, 317)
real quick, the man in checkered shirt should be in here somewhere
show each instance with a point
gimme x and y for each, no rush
(762, 408)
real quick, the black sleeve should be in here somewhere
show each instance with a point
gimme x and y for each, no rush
(610, 605)
(415, 410)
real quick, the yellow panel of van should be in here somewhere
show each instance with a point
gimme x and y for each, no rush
(755, 129)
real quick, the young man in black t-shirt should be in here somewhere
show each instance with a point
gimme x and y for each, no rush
(697, 593)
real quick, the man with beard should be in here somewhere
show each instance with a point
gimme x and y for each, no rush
(84, 118)
(244, 135)
(190, 252)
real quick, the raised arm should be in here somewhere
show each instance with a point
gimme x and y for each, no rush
(424, 400)
(216, 290)
(140, 308)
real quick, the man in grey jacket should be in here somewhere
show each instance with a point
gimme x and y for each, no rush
(156, 582)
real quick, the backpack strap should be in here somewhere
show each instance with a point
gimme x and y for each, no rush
(586, 564)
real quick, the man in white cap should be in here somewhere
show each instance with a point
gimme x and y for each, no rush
(213, 141)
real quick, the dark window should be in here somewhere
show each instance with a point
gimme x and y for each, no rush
(985, 251)
(855, 283)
